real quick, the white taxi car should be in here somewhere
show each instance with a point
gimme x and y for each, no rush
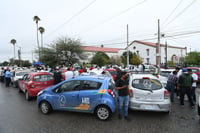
(149, 93)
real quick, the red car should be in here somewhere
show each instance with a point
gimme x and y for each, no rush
(197, 71)
(113, 72)
(34, 82)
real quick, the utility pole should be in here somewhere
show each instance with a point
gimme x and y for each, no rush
(158, 59)
(127, 47)
(166, 55)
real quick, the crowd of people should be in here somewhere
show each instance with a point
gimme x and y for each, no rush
(183, 82)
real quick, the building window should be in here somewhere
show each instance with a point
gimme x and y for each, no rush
(147, 52)
(147, 60)
(137, 52)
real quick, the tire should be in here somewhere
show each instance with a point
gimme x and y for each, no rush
(198, 109)
(14, 85)
(27, 97)
(45, 107)
(103, 112)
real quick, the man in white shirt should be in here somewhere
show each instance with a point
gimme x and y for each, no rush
(69, 74)
(194, 84)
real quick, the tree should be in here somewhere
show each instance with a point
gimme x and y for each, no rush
(42, 30)
(193, 58)
(37, 19)
(13, 41)
(100, 58)
(68, 50)
(124, 57)
(49, 57)
(135, 60)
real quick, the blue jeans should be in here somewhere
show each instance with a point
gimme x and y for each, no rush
(170, 88)
(123, 104)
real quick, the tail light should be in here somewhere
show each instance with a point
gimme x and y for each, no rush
(111, 92)
(166, 94)
(131, 92)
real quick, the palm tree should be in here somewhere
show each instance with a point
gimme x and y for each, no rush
(13, 41)
(37, 19)
(42, 30)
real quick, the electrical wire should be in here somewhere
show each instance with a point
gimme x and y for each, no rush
(110, 18)
(72, 17)
(180, 13)
(172, 11)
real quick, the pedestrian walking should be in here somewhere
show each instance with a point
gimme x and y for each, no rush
(122, 86)
(185, 84)
(171, 84)
(194, 84)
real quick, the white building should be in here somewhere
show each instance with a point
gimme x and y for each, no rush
(146, 50)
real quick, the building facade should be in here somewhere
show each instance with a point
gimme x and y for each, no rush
(146, 51)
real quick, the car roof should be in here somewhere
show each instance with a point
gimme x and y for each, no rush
(95, 77)
(140, 76)
(40, 73)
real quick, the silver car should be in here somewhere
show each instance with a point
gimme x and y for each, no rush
(149, 93)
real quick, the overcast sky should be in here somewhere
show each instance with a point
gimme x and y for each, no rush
(98, 22)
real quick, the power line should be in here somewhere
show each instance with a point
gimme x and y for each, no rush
(114, 16)
(180, 13)
(72, 17)
(173, 11)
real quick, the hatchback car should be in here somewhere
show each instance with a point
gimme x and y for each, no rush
(148, 93)
(34, 82)
(16, 75)
(90, 94)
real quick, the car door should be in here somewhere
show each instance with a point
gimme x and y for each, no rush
(66, 95)
(88, 95)
(23, 82)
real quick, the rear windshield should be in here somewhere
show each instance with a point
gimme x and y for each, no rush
(165, 73)
(195, 70)
(41, 78)
(147, 84)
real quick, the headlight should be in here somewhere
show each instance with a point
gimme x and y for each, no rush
(39, 93)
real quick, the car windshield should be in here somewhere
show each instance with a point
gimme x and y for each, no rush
(147, 84)
(195, 70)
(21, 73)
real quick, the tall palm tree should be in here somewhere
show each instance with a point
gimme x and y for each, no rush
(37, 19)
(13, 41)
(42, 30)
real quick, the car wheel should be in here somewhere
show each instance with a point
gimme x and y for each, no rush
(14, 85)
(27, 97)
(103, 112)
(45, 107)
(199, 110)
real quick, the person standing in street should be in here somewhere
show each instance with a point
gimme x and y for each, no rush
(185, 83)
(194, 84)
(57, 76)
(122, 86)
(7, 77)
(171, 84)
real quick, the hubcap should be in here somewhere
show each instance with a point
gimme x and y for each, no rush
(44, 108)
(103, 113)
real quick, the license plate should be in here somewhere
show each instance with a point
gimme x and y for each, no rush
(149, 107)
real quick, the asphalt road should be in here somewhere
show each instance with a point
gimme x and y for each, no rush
(20, 116)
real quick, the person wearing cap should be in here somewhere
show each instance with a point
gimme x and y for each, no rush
(185, 84)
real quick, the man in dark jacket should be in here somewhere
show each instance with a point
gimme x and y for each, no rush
(185, 85)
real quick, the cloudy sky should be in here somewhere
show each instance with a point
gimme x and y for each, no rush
(97, 22)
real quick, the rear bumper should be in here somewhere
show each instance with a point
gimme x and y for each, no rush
(164, 106)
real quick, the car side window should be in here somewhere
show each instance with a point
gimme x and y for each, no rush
(70, 86)
(91, 85)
